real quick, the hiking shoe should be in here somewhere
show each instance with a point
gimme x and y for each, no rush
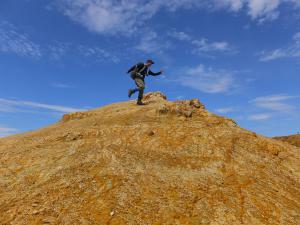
(130, 92)
(140, 103)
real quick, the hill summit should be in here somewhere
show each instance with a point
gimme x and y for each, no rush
(163, 163)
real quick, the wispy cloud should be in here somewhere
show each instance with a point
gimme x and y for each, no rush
(290, 51)
(208, 80)
(57, 50)
(202, 46)
(114, 17)
(6, 131)
(151, 42)
(105, 16)
(180, 35)
(260, 117)
(98, 53)
(18, 105)
(6, 108)
(61, 85)
(225, 110)
(276, 103)
(259, 10)
(13, 41)
(264, 10)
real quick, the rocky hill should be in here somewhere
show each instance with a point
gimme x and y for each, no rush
(163, 163)
(292, 139)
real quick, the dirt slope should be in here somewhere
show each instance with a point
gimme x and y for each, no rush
(292, 139)
(163, 163)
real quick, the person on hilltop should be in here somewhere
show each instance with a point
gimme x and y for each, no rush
(138, 73)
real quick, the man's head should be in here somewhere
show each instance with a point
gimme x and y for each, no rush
(149, 62)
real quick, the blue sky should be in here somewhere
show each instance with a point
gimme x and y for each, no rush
(239, 57)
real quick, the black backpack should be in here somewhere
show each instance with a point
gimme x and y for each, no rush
(136, 72)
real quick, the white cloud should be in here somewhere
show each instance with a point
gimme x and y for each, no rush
(109, 16)
(258, 10)
(15, 42)
(225, 110)
(6, 131)
(61, 85)
(274, 54)
(202, 46)
(15, 105)
(264, 9)
(151, 43)
(232, 5)
(114, 16)
(180, 35)
(291, 51)
(261, 116)
(272, 106)
(6, 108)
(296, 37)
(275, 103)
(98, 53)
(208, 80)
(58, 49)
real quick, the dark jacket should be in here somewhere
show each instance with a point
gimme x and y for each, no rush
(140, 70)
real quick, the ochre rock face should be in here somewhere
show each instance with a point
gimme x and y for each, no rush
(293, 139)
(163, 163)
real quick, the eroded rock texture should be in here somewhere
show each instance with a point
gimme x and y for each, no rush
(163, 163)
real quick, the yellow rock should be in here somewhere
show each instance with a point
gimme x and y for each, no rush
(162, 163)
(292, 139)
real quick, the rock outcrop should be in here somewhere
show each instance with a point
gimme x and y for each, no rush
(163, 163)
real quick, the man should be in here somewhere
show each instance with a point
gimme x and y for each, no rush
(138, 74)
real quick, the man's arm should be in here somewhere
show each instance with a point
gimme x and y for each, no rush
(154, 74)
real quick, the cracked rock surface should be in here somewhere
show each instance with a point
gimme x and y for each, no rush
(162, 163)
